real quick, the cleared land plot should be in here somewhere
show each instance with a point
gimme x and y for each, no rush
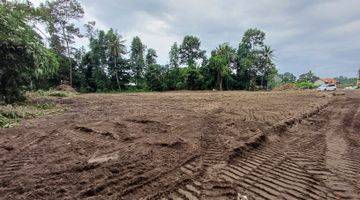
(137, 145)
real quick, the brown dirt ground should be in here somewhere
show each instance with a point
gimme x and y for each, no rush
(187, 145)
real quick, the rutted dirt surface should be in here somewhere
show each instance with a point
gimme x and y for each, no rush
(187, 145)
(318, 158)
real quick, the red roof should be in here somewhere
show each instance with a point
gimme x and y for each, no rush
(329, 80)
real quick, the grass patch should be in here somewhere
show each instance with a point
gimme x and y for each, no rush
(50, 94)
(39, 103)
(10, 115)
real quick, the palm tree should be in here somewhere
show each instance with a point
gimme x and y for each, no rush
(222, 59)
(227, 52)
(116, 48)
(266, 61)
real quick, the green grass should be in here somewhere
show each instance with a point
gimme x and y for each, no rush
(11, 115)
(39, 103)
(50, 93)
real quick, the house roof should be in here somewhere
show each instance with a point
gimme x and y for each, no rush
(329, 80)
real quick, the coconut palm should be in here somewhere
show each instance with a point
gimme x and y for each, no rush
(116, 48)
(222, 60)
(266, 62)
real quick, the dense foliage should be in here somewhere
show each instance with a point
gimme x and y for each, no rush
(32, 59)
(107, 65)
(345, 81)
(308, 77)
(24, 57)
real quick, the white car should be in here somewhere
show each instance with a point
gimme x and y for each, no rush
(329, 87)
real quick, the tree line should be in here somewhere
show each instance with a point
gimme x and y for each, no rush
(36, 58)
(40, 59)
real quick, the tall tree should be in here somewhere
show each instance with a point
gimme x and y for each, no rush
(101, 51)
(137, 60)
(154, 77)
(115, 49)
(23, 54)
(61, 27)
(151, 56)
(222, 59)
(190, 50)
(90, 29)
(266, 65)
(193, 78)
(308, 77)
(248, 57)
(287, 77)
(174, 56)
(95, 64)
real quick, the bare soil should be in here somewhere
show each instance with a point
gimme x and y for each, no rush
(187, 145)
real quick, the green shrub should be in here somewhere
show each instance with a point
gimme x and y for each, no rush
(305, 85)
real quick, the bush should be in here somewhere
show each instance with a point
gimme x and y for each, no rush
(305, 85)
(13, 72)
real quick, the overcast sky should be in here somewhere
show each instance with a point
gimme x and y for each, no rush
(322, 35)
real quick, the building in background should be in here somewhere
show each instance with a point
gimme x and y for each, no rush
(327, 81)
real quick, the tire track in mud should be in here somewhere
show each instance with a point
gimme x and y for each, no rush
(212, 153)
(268, 173)
(29, 154)
(351, 168)
(342, 156)
(294, 167)
(212, 147)
(18, 165)
(298, 167)
(166, 180)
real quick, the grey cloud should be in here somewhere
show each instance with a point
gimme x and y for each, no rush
(306, 34)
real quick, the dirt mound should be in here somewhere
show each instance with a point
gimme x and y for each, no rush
(286, 86)
(66, 88)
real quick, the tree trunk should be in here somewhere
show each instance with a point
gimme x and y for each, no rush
(117, 80)
(68, 55)
(67, 47)
(219, 80)
(70, 65)
(116, 75)
(221, 84)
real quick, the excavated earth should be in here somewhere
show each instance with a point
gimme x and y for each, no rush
(188, 145)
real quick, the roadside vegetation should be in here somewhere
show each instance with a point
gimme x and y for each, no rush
(39, 60)
(36, 59)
